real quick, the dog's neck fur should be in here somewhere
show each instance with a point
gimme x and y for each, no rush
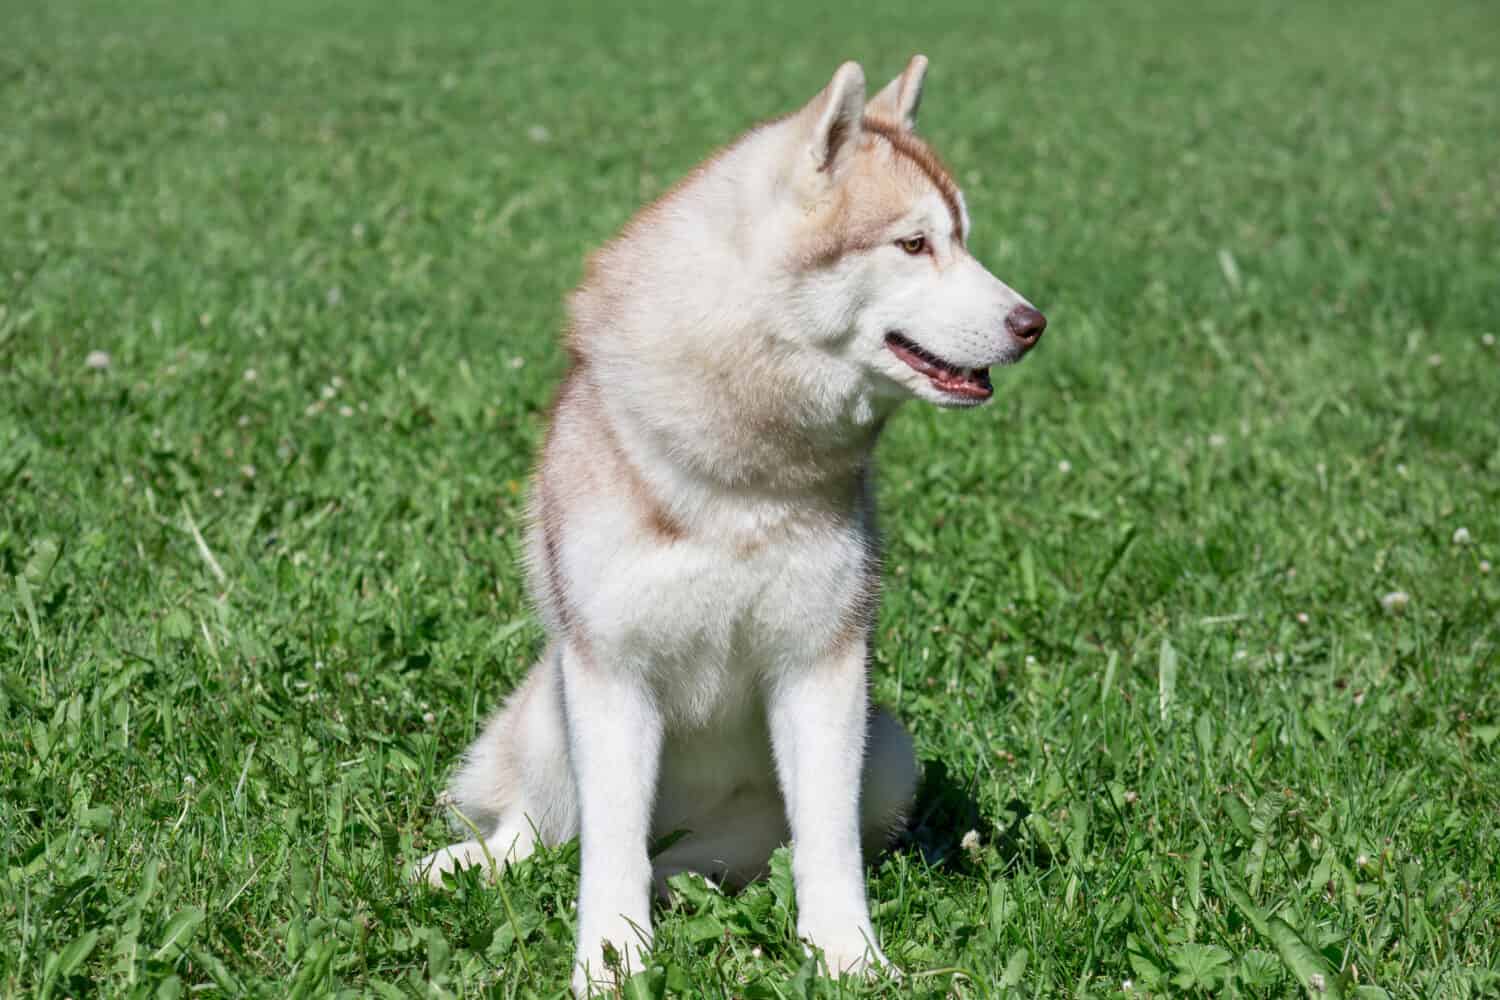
(696, 379)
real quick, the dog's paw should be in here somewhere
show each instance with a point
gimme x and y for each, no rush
(850, 949)
(434, 866)
(618, 954)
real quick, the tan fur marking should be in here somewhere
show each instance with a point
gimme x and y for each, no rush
(657, 518)
(857, 621)
(859, 215)
(837, 243)
(919, 153)
(554, 572)
(548, 516)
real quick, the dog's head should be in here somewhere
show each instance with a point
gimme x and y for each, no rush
(881, 265)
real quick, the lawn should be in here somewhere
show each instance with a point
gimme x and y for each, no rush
(280, 295)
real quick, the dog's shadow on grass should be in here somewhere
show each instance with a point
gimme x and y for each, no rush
(946, 810)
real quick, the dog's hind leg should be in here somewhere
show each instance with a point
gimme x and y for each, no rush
(732, 844)
(515, 786)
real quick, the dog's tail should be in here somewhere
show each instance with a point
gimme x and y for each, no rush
(517, 772)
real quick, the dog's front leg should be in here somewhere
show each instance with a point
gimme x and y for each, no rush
(615, 736)
(818, 721)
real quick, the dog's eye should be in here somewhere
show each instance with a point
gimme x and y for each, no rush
(913, 246)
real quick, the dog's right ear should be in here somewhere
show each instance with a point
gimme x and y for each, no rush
(832, 121)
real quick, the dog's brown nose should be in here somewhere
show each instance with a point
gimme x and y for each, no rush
(1026, 325)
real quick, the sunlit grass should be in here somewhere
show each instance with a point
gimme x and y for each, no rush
(280, 293)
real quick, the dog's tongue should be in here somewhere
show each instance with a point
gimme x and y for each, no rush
(975, 383)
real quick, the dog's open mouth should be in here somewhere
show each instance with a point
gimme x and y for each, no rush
(967, 383)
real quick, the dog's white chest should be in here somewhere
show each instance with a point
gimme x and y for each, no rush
(709, 614)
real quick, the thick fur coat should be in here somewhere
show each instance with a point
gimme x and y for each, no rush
(703, 547)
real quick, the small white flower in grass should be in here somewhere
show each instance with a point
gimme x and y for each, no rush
(1131, 797)
(517, 362)
(346, 411)
(1362, 860)
(1461, 536)
(1240, 654)
(1317, 982)
(970, 845)
(429, 718)
(248, 471)
(189, 780)
(1217, 440)
(1488, 340)
(1395, 602)
(1127, 985)
(357, 230)
(328, 392)
(538, 134)
(97, 360)
(1065, 466)
(1484, 566)
(1303, 618)
(251, 375)
(756, 952)
(334, 296)
(1434, 359)
(1401, 470)
(218, 492)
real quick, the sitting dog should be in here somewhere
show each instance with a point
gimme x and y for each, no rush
(703, 547)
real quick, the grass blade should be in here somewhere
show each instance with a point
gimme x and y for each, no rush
(1166, 679)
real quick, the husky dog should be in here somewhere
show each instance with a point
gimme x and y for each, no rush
(703, 548)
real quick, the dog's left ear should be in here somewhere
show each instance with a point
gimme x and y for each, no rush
(899, 99)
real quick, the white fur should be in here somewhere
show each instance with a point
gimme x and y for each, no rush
(703, 549)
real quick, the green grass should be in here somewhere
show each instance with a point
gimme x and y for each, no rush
(259, 581)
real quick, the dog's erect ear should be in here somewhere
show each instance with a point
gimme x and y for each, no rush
(833, 119)
(899, 100)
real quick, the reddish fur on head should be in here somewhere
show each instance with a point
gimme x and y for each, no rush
(891, 169)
